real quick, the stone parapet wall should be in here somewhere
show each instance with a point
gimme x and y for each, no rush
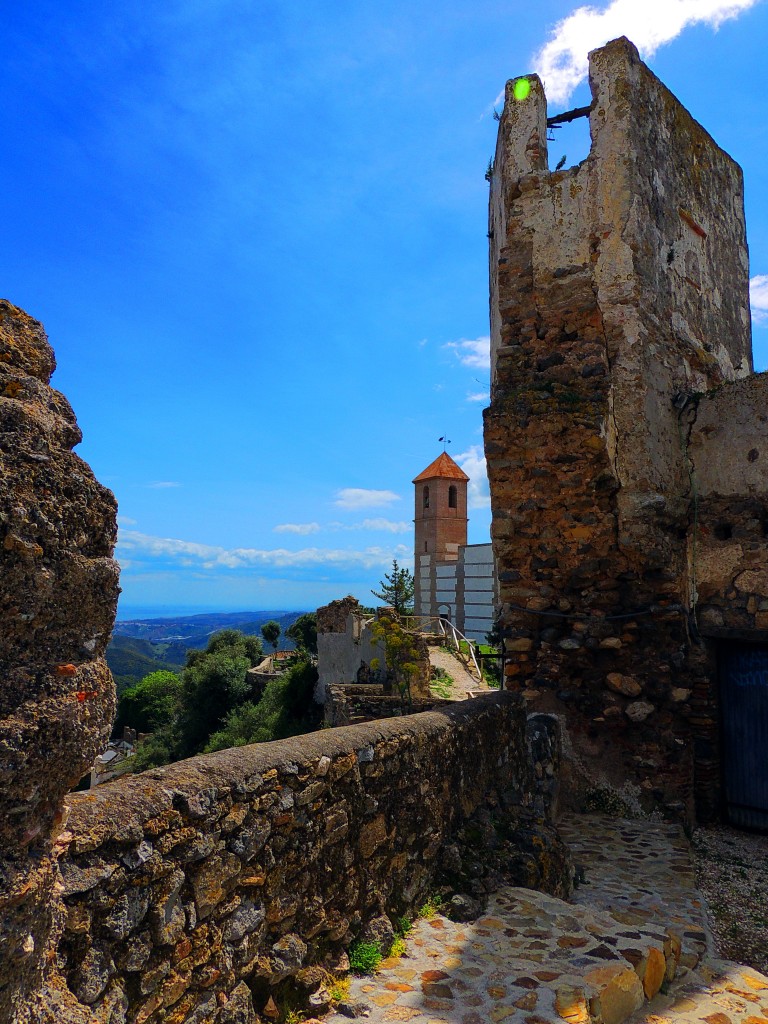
(247, 865)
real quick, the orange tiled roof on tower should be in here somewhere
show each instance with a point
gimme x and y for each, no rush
(443, 467)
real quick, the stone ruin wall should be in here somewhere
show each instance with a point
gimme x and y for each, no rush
(58, 594)
(347, 650)
(619, 302)
(198, 891)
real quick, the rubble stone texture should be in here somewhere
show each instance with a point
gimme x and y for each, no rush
(257, 863)
(58, 595)
(620, 344)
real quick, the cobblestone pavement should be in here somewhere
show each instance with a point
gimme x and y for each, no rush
(633, 944)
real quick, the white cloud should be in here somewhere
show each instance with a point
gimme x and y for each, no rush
(209, 556)
(125, 521)
(478, 396)
(475, 353)
(163, 484)
(472, 461)
(758, 297)
(301, 528)
(384, 524)
(562, 62)
(359, 497)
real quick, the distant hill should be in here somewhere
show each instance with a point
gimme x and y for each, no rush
(141, 646)
(130, 660)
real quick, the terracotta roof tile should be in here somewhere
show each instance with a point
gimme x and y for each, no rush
(443, 467)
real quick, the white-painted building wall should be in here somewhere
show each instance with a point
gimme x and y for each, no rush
(463, 590)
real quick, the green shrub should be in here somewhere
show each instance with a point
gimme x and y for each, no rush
(149, 705)
(158, 749)
(432, 905)
(364, 957)
(287, 708)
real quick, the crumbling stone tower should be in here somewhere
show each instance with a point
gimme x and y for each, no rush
(620, 334)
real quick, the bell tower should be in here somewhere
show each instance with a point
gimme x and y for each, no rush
(441, 510)
(440, 529)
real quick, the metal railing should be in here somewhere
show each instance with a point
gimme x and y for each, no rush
(447, 629)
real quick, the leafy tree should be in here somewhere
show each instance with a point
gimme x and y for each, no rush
(271, 633)
(303, 632)
(286, 708)
(396, 589)
(227, 639)
(213, 683)
(151, 704)
(158, 749)
(211, 688)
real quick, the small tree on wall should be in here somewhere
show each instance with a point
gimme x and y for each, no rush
(397, 589)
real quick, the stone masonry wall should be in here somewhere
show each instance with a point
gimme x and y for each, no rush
(728, 549)
(58, 594)
(727, 545)
(345, 705)
(617, 287)
(193, 889)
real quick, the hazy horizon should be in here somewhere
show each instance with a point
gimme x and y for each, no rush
(131, 612)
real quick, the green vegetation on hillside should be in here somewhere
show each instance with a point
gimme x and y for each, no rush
(213, 704)
(286, 708)
(140, 646)
(149, 705)
(131, 659)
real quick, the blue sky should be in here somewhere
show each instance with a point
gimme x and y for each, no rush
(255, 233)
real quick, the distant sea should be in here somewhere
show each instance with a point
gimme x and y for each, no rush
(130, 612)
(166, 611)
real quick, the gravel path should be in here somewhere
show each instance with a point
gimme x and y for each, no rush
(732, 872)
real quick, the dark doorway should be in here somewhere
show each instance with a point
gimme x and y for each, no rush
(744, 703)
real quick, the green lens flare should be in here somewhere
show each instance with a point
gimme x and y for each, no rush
(521, 90)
